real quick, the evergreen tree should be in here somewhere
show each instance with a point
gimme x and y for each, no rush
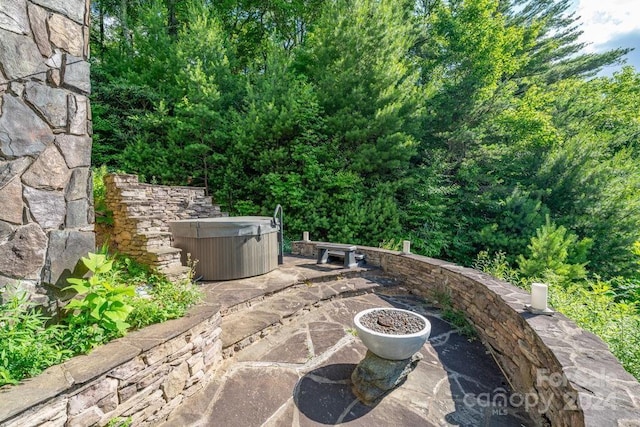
(554, 253)
(553, 31)
(356, 58)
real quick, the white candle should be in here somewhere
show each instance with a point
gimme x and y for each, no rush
(305, 236)
(406, 246)
(539, 296)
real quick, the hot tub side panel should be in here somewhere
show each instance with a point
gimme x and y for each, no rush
(228, 258)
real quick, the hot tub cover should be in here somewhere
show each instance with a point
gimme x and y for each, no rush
(202, 228)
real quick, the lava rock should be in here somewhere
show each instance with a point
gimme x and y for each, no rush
(392, 322)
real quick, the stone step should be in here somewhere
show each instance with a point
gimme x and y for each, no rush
(152, 240)
(236, 295)
(167, 265)
(246, 326)
(162, 255)
(176, 273)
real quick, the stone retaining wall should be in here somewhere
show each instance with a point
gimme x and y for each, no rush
(46, 218)
(140, 208)
(566, 375)
(143, 376)
(141, 216)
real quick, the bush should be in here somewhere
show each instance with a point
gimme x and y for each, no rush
(27, 346)
(100, 313)
(103, 214)
(594, 308)
(119, 295)
(555, 255)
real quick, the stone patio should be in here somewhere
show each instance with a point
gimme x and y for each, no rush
(291, 350)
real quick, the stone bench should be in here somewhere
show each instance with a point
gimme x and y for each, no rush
(333, 249)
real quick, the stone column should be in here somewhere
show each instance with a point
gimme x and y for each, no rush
(46, 201)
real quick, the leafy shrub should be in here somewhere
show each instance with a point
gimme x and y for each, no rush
(27, 346)
(101, 311)
(391, 244)
(499, 267)
(626, 290)
(103, 214)
(555, 255)
(157, 299)
(595, 309)
(106, 306)
(166, 301)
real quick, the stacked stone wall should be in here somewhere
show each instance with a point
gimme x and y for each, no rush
(141, 217)
(143, 376)
(566, 375)
(46, 217)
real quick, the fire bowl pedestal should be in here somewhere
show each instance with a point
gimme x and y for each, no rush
(390, 346)
(390, 359)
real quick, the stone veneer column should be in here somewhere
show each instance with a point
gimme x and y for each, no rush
(46, 202)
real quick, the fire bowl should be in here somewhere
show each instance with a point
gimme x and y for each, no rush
(388, 345)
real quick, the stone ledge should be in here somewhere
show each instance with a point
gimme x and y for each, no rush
(82, 369)
(33, 391)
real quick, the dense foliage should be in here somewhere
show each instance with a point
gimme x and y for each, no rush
(119, 295)
(460, 125)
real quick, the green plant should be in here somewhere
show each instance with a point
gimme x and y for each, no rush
(100, 309)
(594, 308)
(555, 255)
(103, 214)
(606, 308)
(158, 298)
(27, 346)
(392, 244)
(454, 316)
(497, 266)
(164, 300)
(106, 305)
(120, 422)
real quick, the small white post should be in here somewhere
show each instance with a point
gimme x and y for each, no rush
(539, 296)
(305, 236)
(406, 246)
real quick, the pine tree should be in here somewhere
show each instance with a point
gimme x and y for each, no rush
(555, 254)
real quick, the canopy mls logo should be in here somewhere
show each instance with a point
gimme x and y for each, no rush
(499, 401)
(551, 386)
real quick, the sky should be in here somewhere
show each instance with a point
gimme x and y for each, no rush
(609, 24)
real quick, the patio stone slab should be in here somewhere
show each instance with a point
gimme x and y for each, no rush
(244, 391)
(299, 374)
(324, 335)
(237, 327)
(294, 350)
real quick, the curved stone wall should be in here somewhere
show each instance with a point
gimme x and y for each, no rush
(46, 217)
(565, 375)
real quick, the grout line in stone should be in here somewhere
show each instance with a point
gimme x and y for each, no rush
(346, 412)
(277, 412)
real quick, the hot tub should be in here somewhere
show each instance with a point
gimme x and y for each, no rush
(228, 247)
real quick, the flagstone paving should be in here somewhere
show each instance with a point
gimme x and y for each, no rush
(298, 372)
